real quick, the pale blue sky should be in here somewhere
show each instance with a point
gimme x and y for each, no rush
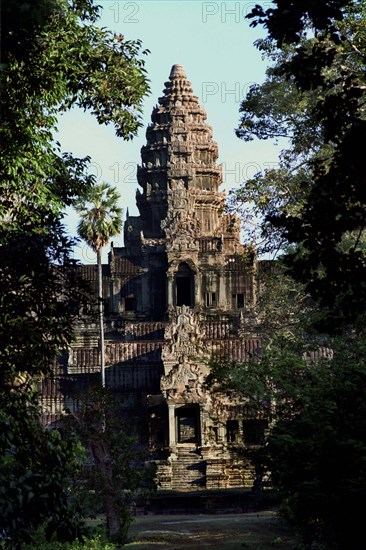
(214, 43)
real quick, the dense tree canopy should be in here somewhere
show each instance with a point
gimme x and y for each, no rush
(36, 471)
(312, 209)
(54, 57)
(315, 453)
(314, 96)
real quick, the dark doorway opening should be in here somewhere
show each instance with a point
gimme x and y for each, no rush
(184, 291)
(232, 431)
(185, 286)
(187, 425)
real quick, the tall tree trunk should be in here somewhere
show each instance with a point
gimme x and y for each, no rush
(101, 316)
(103, 464)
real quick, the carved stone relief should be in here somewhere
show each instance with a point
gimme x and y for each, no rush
(184, 371)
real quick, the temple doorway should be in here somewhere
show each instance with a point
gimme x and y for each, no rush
(184, 286)
(187, 424)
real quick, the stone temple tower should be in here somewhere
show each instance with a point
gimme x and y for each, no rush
(182, 238)
(179, 176)
(180, 291)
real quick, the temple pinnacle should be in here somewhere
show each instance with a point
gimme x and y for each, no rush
(177, 72)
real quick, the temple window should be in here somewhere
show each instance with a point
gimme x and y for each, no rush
(210, 299)
(130, 303)
(238, 300)
(254, 431)
(232, 431)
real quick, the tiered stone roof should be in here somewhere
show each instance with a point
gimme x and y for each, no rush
(179, 168)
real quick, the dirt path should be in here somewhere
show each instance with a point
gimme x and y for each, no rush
(254, 531)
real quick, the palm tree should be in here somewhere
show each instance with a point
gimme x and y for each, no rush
(100, 219)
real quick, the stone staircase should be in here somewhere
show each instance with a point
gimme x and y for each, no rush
(188, 470)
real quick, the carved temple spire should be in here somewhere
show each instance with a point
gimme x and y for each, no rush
(179, 168)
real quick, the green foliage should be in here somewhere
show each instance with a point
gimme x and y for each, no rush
(116, 466)
(315, 453)
(36, 468)
(100, 215)
(317, 450)
(97, 542)
(314, 96)
(66, 61)
(53, 58)
(311, 388)
(283, 309)
(319, 14)
(34, 316)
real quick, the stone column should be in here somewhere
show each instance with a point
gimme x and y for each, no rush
(170, 290)
(222, 291)
(222, 433)
(202, 426)
(171, 412)
(198, 289)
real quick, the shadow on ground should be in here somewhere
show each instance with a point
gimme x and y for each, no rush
(252, 531)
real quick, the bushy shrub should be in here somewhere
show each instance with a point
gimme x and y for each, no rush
(97, 542)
